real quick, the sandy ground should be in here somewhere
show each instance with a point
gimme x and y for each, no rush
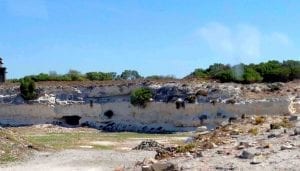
(78, 160)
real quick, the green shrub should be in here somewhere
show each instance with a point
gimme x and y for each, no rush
(199, 73)
(225, 76)
(28, 89)
(100, 76)
(140, 97)
(251, 76)
(75, 75)
(130, 75)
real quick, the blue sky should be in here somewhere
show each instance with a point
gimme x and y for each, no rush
(169, 37)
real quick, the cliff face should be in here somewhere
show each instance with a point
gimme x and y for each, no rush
(107, 106)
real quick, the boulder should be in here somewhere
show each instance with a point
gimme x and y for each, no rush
(246, 155)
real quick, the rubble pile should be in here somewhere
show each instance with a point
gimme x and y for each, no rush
(149, 145)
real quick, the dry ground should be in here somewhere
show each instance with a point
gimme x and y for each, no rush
(48, 147)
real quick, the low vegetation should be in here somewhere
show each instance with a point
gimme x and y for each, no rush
(140, 97)
(253, 131)
(259, 120)
(28, 89)
(271, 71)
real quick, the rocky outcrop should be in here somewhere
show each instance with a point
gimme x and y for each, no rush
(208, 104)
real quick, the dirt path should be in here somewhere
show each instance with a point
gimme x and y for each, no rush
(78, 160)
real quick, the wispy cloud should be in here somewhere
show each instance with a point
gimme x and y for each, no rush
(28, 8)
(241, 43)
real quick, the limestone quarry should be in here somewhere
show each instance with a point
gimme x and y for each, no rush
(207, 107)
(212, 104)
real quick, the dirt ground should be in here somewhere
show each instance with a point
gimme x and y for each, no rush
(49, 147)
(80, 159)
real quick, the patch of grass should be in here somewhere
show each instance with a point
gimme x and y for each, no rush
(102, 147)
(12, 146)
(69, 140)
(7, 158)
(59, 141)
(185, 148)
(253, 131)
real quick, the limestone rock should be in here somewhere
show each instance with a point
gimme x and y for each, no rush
(286, 147)
(201, 129)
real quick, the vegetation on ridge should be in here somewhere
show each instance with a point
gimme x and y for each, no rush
(271, 71)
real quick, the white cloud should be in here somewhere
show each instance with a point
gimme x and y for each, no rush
(243, 43)
(247, 43)
(218, 37)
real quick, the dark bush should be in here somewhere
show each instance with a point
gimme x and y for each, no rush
(140, 97)
(225, 76)
(28, 89)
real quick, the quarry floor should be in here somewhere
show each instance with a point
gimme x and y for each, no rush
(48, 147)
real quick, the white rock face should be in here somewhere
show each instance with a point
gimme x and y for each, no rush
(91, 104)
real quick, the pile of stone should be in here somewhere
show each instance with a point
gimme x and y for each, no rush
(149, 145)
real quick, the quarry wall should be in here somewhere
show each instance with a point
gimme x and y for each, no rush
(108, 107)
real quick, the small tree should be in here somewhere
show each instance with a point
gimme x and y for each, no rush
(75, 75)
(28, 89)
(130, 75)
(140, 97)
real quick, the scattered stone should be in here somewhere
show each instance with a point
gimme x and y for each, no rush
(267, 145)
(297, 131)
(229, 167)
(188, 154)
(273, 135)
(246, 155)
(201, 129)
(294, 118)
(232, 119)
(164, 167)
(257, 160)
(198, 154)
(146, 168)
(235, 132)
(286, 147)
(149, 145)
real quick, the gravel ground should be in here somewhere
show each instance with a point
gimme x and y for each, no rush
(78, 160)
(271, 158)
